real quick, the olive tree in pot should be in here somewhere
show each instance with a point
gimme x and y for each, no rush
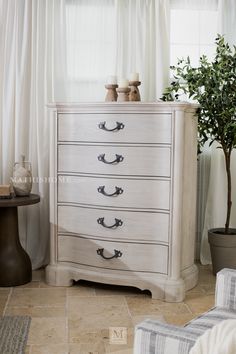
(213, 86)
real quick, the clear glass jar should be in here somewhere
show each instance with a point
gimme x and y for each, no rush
(22, 178)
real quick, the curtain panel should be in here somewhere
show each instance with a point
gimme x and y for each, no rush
(30, 61)
(116, 37)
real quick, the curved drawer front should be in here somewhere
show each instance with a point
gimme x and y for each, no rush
(143, 128)
(113, 224)
(84, 251)
(120, 193)
(114, 160)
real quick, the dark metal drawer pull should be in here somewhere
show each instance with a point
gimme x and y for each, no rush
(117, 223)
(119, 126)
(118, 191)
(119, 158)
(117, 253)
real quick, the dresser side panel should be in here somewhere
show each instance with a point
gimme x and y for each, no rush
(53, 186)
(189, 191)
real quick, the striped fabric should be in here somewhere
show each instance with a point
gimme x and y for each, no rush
(226, 289)
(153, 337)
(210, 319)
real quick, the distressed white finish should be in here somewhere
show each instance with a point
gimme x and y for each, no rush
(84, 251)
(138, 193)
(84, 127)
(140, 226)
(157, 205)
(138, 160)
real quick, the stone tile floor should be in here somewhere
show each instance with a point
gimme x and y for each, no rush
(77, 319)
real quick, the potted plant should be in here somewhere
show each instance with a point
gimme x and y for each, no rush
(213, 86)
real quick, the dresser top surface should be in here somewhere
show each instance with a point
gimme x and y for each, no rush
(119, 107)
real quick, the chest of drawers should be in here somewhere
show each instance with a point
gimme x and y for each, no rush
(123, 196)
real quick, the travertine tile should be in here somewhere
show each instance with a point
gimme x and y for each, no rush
(77, 290)
(208, 289)
(37, 311)
(78, 306)
(111, 318)
(200, 304)
(95, 313)
(44, 331)
(50, 349)
(119, 350)
(147, 306)
(32, 284)
(3, 302)
(86, 336)
(177, 309)
(140, 318)
(43, 284)
(89, 348)
(4, 293)
(37, 297)
(178, 320)
(196, 290)
(191, 296)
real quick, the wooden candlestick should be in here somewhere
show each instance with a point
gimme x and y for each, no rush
(134, 92)
(123, 94)
(111, 93)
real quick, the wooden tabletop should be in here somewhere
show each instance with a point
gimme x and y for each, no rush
(19, 201)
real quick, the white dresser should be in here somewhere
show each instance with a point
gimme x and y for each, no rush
(123, 199)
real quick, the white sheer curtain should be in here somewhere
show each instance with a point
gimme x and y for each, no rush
(116, 37)
(196, 38)
(215, 213)
(142, 43)
(49, 52)
(29, 40)
(89, 48)
(194, 5)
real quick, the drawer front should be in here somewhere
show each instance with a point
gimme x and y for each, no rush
(114, 224)
(135, 257)
(114, 160)
(124, 128)
(114, 192)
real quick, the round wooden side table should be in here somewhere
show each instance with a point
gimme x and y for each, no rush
(15, 264)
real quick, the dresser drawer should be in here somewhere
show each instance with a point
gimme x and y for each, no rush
(115, 160)
(114, 224)
(128, 128)
(84, 251)
(115, 192)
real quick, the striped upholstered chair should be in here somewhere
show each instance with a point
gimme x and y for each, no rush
(153, 337)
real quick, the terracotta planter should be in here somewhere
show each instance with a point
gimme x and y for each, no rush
(223, 249)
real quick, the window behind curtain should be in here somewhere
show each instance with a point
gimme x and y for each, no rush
(193, 31)
(90, 45)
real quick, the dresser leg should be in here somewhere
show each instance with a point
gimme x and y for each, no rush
(58, 277)
(169, 290)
